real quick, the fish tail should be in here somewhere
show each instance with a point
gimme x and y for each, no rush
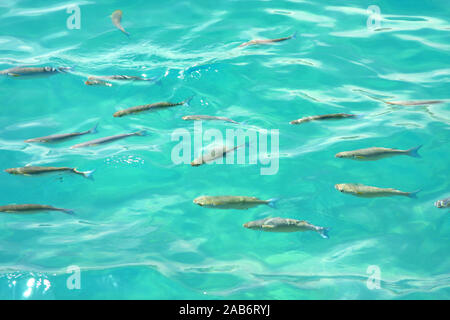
(68, 211)
(187, 102)
(414, 194)
(414, 152)
(94, 129)
(294, 35)
(86, 174)
(272, 202)
(323, 232)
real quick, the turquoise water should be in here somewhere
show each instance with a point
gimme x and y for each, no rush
(136, 233)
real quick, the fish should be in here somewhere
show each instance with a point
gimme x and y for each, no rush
(62, 137)
(97, 82)
(332, 116)
(97, 142)
(266, 41)
(32, 170)
(149, 107)
(205, 117)
(120, 78)
(376, 153)
(232, 202)
(33, 71)
(444, 203)
(30, 208)
(363, 191)
(285, 225)
(211, 155)
(116, 17)
(413, 102)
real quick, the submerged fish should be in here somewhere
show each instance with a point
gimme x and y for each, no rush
(285, 225)
(232, 202)
(147, 107)
(211, 155)
(363, 191)
(116, 17)
(30, 208)
(204, 117)
(413, 102)
(376, 153)
(97, 82)
(61, 137)
(267, 41)
(332, 116)
(31, 170)
(32, 71)
(444, 203)
(96, 142)
(121, 77)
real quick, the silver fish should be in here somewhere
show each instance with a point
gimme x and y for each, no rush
(98, 82)
(205, 117)
(211, 155)
(32, 71)
(116, 18)
(150, 107)
(267, 41)
(363, 191)
(413, 102)
(97, 142)
(332, 116)
(61, 137)
(31, 208)
(444, 203)
(121, 78)
(285, 225)
(232, 202)
(32, 170)
(375, 153)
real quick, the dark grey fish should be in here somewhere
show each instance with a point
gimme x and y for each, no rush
(205, 117)
(32, 71)
(61, 137)
(97, 142)
(32, 170)
(267, 41)
(285, 225)
(31, 208)
(332, 116)
(148, 107)
(444, 203)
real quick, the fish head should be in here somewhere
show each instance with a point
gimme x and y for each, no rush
(50, 69)
(341, 187)
(11, 171)
(201, 201)
(344, 154)
(253, 225)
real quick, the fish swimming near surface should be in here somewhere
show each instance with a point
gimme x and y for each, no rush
(97, 82)
(211, 155)
(116, 18)
(285, 225)
(62, 137)
(33, 71)
(205, 117)
(333, 116)
(413, 102)
(121, 78)
(150, 107)
(104, 140)
(363, 191)
(32, 170)
(31, 208)
(375, 153)
(232, 202)
(267, 41)
(444, 203)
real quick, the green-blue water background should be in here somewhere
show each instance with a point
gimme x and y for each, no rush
(137, 233)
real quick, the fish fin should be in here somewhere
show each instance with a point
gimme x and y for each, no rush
(324, 232)
(414, 194)
(414, 152)
(86, 174)
(94, 129)
(272, 202)
(68, 211)
(294, 35)
(187, 102)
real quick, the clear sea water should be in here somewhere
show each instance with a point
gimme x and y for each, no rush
(136, 233)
